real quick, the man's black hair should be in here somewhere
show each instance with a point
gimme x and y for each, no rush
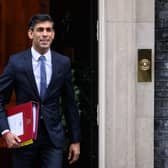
(39, 18)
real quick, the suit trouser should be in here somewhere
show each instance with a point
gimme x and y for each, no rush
(42, 153)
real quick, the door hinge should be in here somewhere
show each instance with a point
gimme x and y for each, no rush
(97, 27)
(98, 113)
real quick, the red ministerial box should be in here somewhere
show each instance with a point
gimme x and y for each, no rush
(23, 121)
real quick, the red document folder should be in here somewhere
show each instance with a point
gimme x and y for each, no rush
(23, 121)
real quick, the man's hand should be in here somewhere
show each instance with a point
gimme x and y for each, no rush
(74, 151)
(12, 140)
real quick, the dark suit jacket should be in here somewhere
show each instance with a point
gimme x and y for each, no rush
(18, 75)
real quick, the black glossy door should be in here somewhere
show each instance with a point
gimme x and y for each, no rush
(75, 26)
(161, 84)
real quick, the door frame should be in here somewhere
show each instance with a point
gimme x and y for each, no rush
(101, 82)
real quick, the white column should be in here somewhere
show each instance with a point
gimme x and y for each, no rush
(102, 84)
(145, 91)
(120, 86)
(126, 106)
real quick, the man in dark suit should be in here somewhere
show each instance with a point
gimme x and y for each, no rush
(43, 81)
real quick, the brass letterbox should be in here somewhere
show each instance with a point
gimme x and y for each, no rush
(144, 65)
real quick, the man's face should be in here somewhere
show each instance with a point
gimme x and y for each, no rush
(42, 36)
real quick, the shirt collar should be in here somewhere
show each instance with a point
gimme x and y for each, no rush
(36, 55)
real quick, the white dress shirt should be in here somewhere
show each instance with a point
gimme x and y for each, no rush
(36, 66)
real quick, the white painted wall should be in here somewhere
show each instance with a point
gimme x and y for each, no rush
(126, 106)
(145, 91)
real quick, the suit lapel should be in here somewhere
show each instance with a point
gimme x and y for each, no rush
(30, 74)
(54, 72)
(29, 71)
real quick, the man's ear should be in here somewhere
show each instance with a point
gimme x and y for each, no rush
(30, 34)
(53, 35)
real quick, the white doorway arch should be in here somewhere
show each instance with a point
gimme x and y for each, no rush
(102, 82)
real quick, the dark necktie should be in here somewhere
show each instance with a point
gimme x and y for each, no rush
(43, 80)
